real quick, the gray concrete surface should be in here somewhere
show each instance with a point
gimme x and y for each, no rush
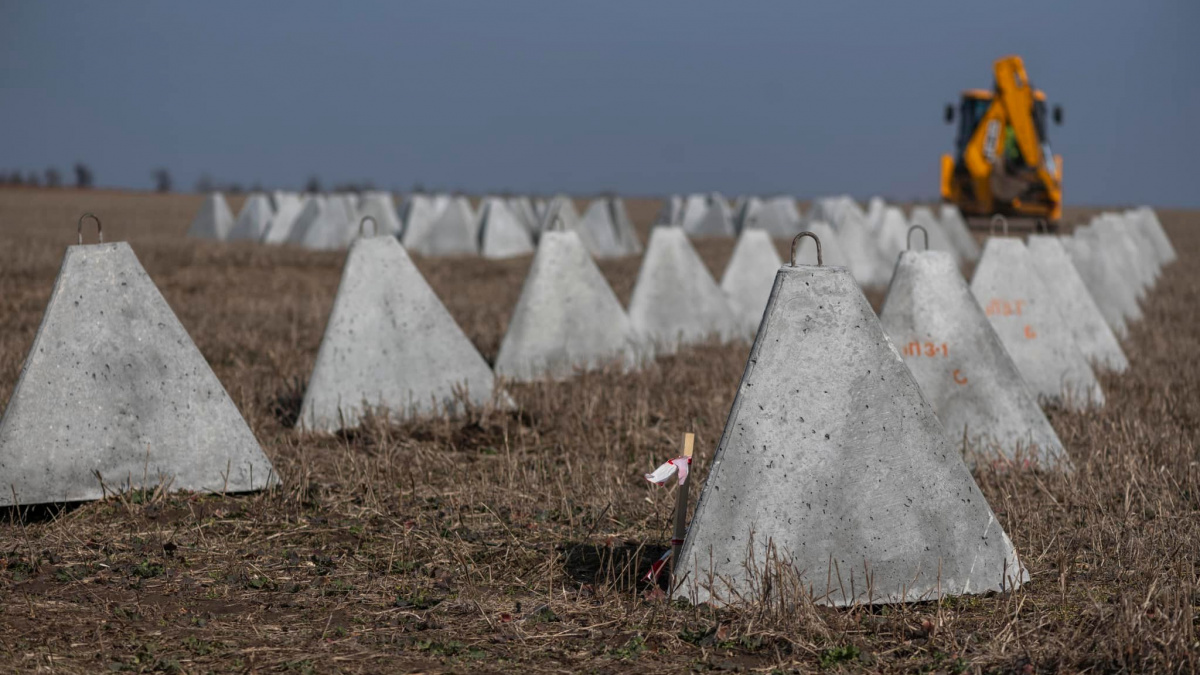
(560, 214)
(390, 347)
(778, 216)
(675, 299)
(254, 219)
(113, 385)
(214, 220)
(522, 208)
(287, 207)
(381, 207)
(1123, 252)
(418, 215)
(891, 237)
(715, 221)
(1142, 259)
(832, 456)
(1121, 268)
(956, 228)
(1146, 218)
(961, 365)
(863, 257)
(692, 210)
(1022, 310)
(939, 239)
(749, 277)
(1148, 252)
(598, 230)
(627, 235)
(452, 232)
(671, 212)
(501, 234)
(567, 318)
(1115, 299)
(318, 225)
(1075, 304)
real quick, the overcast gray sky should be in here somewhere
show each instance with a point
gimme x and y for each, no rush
(640, 97)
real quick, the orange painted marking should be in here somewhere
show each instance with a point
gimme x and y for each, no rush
(1001, 307)
(929, 349)
(1030, 334)
(959, 378)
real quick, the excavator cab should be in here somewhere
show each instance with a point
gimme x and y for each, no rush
(1002, 161)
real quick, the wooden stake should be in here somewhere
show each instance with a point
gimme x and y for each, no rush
(681, 507)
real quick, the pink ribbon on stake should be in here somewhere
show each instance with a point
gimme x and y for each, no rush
(662, 474)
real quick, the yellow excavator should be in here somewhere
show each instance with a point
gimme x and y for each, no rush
(1002, 162)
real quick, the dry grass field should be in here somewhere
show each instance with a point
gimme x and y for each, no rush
(506, 541)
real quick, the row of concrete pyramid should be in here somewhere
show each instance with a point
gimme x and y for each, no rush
(1037, 322)
(430, 225)
(832, 454)
(392, 349)
(568, 318)
(838, 457)
(866, 242)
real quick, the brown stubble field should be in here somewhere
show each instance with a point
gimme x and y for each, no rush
(504, 541)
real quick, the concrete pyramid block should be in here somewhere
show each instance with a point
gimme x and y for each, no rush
(716, 220)
(343, 219)
(1139, 260)
(834, 210)
(390, 346)
(1115, 299)
(253, 221)
(862, 255)
(560, 215)
(522, 208)
(1146, 218)
(892, 235)
(568, 317)
(214, 221)
(114, 386)
(382, 208)
(832, 458)
(671, 212)
(961, 364)
(418, 215)
(749, 277)
(1076, 305)
(450, 232)
(319, 226)
(675, 300)
(598, 231)
(694, 207)
(960, 235)
(627, 235)
(1023, 312)
(1145, 244)
(1121, 255)
(746, 212)
(287, 208)
(938, 239)
(875, 209)
(1119, 266)
(777, 216)
(832, 253)
(501, 234)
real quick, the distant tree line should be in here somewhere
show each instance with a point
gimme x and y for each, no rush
(161, 177)
(51, 178)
